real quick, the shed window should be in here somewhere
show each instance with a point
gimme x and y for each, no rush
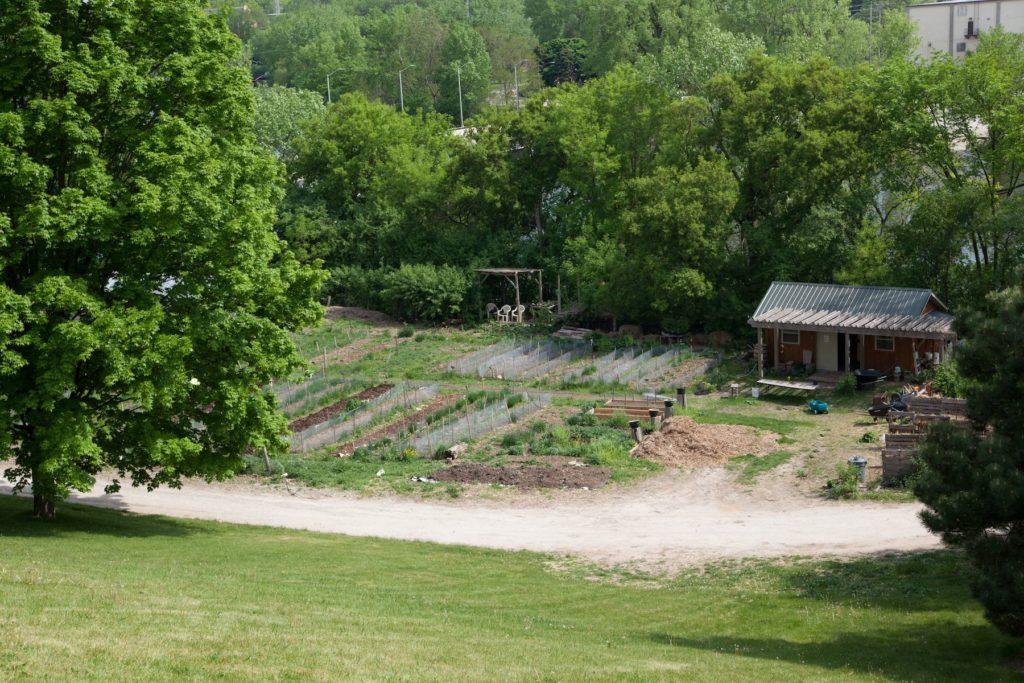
(885, 344)
(791, 336)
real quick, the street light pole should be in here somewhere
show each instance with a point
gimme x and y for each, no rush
(458, 73)
(329, 82)
(515, 69)
(401, 88)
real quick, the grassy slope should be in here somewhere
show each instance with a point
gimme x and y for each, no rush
(102, 595)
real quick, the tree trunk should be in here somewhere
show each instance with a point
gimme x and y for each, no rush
(42, 507)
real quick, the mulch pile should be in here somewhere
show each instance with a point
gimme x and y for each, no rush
(682, 442)
(527, 476)
(336, 408)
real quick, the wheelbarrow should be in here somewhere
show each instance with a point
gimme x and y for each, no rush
(817, 407)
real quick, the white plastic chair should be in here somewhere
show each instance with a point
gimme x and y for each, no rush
(517, 313)
(503, 313)
(492, 310)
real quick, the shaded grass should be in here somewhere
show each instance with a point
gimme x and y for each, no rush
(750, 467)
(102, 595)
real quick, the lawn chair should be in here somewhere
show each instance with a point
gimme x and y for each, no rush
(517, 313)
(503, 313)
(492, 311)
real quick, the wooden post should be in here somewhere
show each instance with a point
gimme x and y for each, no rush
(558, 292)
(266, 459)
(848, 359)
(540, 286)
(760, 353)
(517, 289)
(778, 347)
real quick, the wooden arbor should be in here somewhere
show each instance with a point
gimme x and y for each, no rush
(512, 276)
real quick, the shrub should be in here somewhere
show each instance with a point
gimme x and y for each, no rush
(406, 331)
(846, 385)
(617, 421)
(583, 419)
(844, 486)
(425, 292)
(948, 381)
(514, 400)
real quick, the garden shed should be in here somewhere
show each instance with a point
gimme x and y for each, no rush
(842, 328)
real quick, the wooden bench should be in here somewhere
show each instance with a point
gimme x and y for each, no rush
(788, 384)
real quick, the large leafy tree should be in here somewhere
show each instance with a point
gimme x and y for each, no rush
(144, 297)
(802, 141)
(958, 129)
(973, 485)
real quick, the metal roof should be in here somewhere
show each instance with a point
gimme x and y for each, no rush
(900, 310)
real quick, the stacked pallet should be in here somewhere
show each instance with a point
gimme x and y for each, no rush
(907, 430)
(634, 409)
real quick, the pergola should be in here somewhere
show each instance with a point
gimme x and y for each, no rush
(512, 276)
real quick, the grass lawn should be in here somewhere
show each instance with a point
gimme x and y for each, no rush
(102, 595)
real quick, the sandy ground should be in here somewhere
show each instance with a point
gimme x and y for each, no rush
(671, 521)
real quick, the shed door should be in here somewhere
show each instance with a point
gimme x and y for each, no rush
(826, 356)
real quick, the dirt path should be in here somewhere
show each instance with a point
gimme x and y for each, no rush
(673, 520)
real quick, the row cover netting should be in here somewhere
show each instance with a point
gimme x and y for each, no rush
(474, 425)
(528, 360)
(331, 431)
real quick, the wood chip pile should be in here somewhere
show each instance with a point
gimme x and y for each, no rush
(682, 442)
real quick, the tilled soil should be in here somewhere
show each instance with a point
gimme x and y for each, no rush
(564, 475)
(437, 404)
(336, 408)
(683, 442)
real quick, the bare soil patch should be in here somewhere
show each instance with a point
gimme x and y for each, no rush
(436, 404)
(336, 408)
(358, 350)
(562, 474)
(683, 442)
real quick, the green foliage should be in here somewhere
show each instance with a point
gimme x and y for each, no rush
(425, 292)
(949, 381)
(466, 66)
(845, 485)
(846, 386)
(280, 115)
(973, 487)
(406, 331)
(145, 298)
(563, 60)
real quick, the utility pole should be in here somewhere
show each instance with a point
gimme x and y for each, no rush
(401, 88)
(515, 69)
(458, 74)
(329, 82)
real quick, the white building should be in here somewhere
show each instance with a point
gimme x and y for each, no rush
(953, 27)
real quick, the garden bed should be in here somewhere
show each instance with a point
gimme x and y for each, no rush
(565, 474)
(337, 408)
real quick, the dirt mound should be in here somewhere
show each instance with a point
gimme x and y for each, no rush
(336, 408)
(527, 476)
(682, 442)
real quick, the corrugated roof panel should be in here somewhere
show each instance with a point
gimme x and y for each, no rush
(881, 309)
(847, 298)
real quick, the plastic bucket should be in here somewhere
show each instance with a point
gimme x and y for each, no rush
(755, 392)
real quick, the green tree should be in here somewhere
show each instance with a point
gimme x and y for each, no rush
(973, 485)
(464, 59)
(280, 113)
(563, 60)
(145, 299)
(368, 174)
(302, 47)
(802, 141)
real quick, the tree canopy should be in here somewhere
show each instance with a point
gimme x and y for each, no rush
(145, 298)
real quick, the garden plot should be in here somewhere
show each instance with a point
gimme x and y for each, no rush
(478, 423)
(297, 400)
(523, 361)
(331, 431)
